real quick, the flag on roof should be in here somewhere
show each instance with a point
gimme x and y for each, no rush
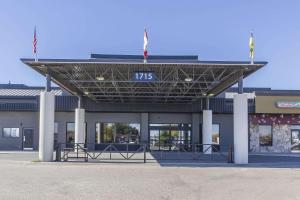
(34, 44)
(145, 45)
(251, 47)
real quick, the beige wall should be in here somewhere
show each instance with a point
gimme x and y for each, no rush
(267, 104)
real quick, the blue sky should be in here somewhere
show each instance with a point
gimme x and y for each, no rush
(213, 30)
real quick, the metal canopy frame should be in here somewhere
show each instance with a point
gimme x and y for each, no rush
(207, 78)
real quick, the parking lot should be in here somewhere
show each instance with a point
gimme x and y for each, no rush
(22, 177)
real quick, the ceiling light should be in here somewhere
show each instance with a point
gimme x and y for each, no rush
(211, 94)
(100, 78)
(86, 92)
(188, 79)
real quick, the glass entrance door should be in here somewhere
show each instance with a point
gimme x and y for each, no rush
(28, 138)
(168, 137)
(295, 140)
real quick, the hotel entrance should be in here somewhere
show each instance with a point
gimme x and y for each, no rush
(169, 137)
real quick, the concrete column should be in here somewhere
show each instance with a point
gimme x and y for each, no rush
(98, 133)
(207, 131)
(144, 127)
(46, 127)
(79, 125)
(240, 128)
(195, 128)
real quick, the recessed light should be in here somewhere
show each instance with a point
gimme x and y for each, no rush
(86, 92)
(188, 79)
(100, 78)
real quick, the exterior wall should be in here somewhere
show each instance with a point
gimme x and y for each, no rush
(19, 120)
(267, 104)
(226, 130)
(31, 119)
(159, 118)
(281, 131)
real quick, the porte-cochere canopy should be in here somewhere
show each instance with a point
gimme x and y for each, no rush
(128, 79)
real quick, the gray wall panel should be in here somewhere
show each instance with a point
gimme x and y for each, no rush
(158, 118)
(16, 120)
(226, 129)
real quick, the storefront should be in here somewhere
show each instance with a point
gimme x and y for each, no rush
(164, 101)
(275, 126)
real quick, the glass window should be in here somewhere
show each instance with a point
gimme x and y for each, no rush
(11, 132)
(117, 133)
(265, 135)
(170, 136)
(216, 133)
(70, 135)
(70, 132)
(295, 142)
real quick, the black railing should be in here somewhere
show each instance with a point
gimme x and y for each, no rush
(186, 152)
(106, 151)
(138, 152)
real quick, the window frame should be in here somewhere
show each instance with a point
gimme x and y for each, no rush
(219, 125)
(66, 133)
(10, 136)
(259, 136)
(127, 123)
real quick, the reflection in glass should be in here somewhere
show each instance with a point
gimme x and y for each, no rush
(117, 133)
(265, 135)
(154, 139)
(11, 132)
(170, 136)
(70, 135)
(295, 145)
(216, 134)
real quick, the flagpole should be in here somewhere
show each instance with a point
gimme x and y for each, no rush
(145, 46)
(34, 45)
(251, 47)
(35, 57)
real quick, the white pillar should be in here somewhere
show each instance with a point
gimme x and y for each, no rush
(79, 125)
(98, 133)
(240, 129)
(46, 127)
(207, 131)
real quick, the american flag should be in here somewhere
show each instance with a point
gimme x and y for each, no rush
(34, 41)
(145, 45)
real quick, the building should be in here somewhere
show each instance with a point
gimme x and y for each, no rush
(117, 98)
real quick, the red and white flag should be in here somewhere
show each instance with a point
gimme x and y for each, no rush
(145, 45)
(34, 44)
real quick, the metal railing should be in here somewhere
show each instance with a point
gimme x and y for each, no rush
(106, 151)
(187, 152)
(138, 152)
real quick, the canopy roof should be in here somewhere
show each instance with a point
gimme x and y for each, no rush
(110, 78)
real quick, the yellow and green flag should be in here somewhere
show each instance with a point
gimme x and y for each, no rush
(251, 46)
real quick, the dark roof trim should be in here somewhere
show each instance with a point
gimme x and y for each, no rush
(139, 57)
(278, 93)
(133, 61)
(22, 86)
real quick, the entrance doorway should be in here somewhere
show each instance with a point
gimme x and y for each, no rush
(168, 137)
(295, 140)
(28, 139)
